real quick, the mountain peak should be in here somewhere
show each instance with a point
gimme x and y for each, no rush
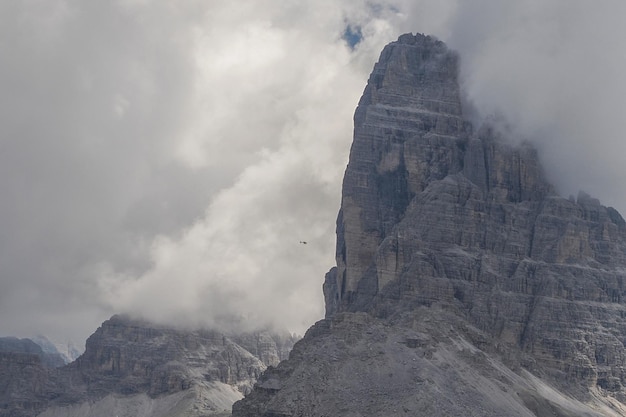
(416, 71)
(458, 266)
(411, 143)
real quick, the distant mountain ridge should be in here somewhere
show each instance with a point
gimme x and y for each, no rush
(49, 357)
(133, 367)
(464, 284)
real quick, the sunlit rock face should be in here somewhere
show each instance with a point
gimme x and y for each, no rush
(464, 284)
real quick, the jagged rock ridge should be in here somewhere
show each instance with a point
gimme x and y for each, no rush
(133, 367)
(464, 284)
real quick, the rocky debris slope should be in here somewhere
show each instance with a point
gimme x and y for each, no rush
(132, 367)
(464, 284)
(413, 365)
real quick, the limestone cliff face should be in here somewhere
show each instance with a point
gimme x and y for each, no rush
(409, 114)
(23, 382)
(130, 356)
(433, 212)
(443, 222)
(132, 367)
(24, 376)
(270, 347)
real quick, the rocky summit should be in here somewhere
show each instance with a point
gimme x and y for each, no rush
(465, 285)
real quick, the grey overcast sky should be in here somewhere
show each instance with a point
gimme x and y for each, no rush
(165, 158)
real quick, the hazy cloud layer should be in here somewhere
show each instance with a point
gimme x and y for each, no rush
(555, 69)
(166, 158)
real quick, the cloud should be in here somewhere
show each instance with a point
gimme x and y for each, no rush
(92, 101)
(166, 158)
(280, 94)
(553, 69)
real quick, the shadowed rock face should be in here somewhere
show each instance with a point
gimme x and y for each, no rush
(452, 243)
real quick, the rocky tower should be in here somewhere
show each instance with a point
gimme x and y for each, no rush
(464, 284)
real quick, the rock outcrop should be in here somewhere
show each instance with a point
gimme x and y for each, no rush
(24, 371)
(131, 356)
(464, 285)
(23, 383)
(132, 367)
(269, 346)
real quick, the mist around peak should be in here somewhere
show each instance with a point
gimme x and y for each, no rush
(166, 160)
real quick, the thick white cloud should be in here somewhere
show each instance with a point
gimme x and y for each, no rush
(166, 158)
(276, 89)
